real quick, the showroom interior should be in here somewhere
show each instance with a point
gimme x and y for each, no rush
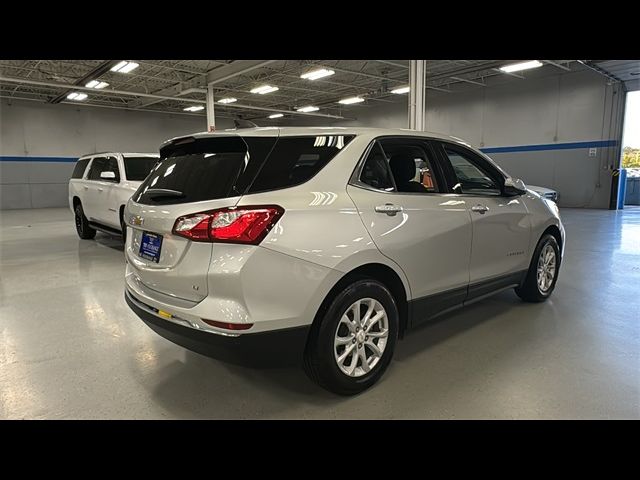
(70, 348)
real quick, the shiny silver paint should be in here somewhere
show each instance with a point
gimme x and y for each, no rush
(102, 199)
(433, 242)
(544, 192)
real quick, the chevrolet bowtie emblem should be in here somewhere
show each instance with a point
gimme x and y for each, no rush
(136, 220)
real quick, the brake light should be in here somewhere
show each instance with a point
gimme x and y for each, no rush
(247, 225)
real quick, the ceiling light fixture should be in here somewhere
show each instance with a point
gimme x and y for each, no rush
(77, 96)
(97, 84)
(351, 100)
(516, 67)
(195, 108)
(316, 74)
(307, 109)
(276, 115)
(124, 67)
(401, 90)
(261, 90)
(227, 100)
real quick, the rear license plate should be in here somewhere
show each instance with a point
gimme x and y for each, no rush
(150, 246)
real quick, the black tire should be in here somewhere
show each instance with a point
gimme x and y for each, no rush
(82, 224)
(319, 359)
(530, 291)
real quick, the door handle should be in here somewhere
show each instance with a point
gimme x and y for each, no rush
(388, 208)
(100, 189)
(85, 187)
(481, 209)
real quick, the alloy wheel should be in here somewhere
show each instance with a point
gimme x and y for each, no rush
(361, 337)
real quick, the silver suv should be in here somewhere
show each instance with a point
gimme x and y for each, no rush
(327, 243)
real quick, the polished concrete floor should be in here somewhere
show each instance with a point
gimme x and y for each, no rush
(70, 347)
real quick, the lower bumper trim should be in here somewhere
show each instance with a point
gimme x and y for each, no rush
(276, 348)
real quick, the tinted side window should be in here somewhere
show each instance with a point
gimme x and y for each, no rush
(375, 171)
(112, 166)
(471, 178)
(97, 166)
(412, 164)
(80, 167)
(294, 160)
(137, 168)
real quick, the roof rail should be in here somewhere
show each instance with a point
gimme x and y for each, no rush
(92, 154)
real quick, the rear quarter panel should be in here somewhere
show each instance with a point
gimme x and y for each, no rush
(321, 223)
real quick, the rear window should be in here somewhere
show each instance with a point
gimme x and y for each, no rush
(80, 167)
(137, 168)
(196, 170)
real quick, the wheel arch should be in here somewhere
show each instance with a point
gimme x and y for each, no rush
(377, 271)
(555, 232)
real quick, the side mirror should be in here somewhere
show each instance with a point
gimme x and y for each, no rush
(108, 175)
(514, 187)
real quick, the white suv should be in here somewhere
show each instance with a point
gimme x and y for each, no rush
(100, 186)
(328, 243)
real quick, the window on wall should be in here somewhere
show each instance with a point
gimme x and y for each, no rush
(471, 178)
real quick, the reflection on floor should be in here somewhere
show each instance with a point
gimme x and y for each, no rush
(70, 348)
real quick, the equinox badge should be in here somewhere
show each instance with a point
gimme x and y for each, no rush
(136, 220)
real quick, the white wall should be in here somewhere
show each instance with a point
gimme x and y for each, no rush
(32, 130)
(550, 107)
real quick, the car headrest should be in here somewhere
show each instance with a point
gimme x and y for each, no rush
(375, 172)
(403, 167)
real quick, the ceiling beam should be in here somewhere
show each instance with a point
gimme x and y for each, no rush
(556, 64)
(466, 80)
(355, 72)
(393, 64)
(238, 67)
(464, 70)
(66, 86)
(600, 70)
(511, 74)
(92, 75)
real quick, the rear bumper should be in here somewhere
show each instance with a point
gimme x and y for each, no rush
(264, 349)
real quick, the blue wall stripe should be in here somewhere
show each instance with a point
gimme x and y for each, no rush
(551, 146)
(38, 159)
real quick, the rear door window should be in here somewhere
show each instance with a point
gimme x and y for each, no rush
(97, 167)
(79, 169)
(376, 172)
(112, 166)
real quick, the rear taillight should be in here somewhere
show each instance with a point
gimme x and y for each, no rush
(248, 225)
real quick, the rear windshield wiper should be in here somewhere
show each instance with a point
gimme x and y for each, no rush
(163, 192)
